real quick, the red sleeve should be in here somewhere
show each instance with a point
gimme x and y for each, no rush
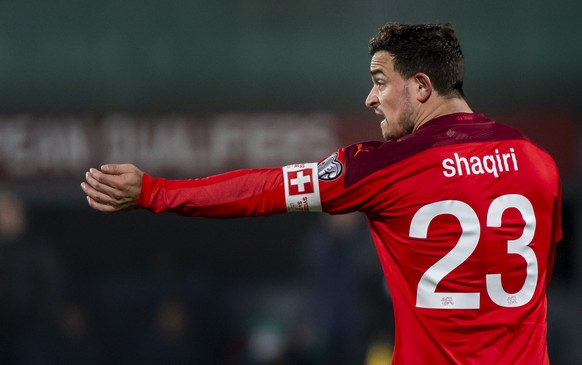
(240, 193)
(304, 187)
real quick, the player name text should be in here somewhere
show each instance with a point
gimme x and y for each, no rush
(493, 164)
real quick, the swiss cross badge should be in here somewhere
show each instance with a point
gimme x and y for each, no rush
(301, 187)
(300, 182)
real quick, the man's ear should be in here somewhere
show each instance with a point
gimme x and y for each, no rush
(423, 87)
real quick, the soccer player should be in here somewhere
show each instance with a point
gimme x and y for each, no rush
(464, 212)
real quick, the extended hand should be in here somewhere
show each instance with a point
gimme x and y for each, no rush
(114, 188)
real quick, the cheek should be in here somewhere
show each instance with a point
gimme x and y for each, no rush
(389, 100)
(390, 110)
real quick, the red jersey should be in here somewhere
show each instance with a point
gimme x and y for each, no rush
(464, 213)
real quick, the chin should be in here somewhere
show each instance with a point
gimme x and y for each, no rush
(392, 136)
(388, 136)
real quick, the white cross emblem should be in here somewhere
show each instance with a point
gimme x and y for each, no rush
(300, 181)
(301, 187)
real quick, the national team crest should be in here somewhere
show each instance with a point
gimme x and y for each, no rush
(300, 182)
(301, 188)
(330, 168)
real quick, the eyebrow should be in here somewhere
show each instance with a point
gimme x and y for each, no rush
(376, 71)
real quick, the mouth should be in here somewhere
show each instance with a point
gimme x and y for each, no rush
(380, 114)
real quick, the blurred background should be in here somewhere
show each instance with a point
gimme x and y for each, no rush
(191, 88)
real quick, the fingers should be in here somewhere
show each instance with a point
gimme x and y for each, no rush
(97, 197)
(96, 200)
(105, 181)
(101, 207)
(115, 188)
(118, 169)
(102, 183)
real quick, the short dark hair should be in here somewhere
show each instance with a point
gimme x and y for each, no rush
(429, 48)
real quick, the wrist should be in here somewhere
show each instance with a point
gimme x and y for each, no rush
(147, 183)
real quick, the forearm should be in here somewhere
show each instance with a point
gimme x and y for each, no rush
(240, 193)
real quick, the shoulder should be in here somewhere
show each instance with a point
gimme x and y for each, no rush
(365, 158)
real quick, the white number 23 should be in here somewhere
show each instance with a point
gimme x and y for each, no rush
(426, 295)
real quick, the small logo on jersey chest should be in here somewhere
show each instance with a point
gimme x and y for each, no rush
(360, 148)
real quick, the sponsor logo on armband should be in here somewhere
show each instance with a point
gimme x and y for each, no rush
(302, 188)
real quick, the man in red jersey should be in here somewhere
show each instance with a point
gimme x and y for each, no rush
(464, 212)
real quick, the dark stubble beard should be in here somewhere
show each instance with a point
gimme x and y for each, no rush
(406, 121)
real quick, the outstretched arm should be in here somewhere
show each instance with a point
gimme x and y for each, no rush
(240, 193)
(309, 187)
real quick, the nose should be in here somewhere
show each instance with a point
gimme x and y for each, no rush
(372, 100)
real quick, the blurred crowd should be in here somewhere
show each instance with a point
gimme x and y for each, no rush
(332, 308)
(80, 287)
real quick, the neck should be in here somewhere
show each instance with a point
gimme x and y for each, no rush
(429, 111)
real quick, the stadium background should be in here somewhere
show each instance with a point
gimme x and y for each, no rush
(190, 88)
